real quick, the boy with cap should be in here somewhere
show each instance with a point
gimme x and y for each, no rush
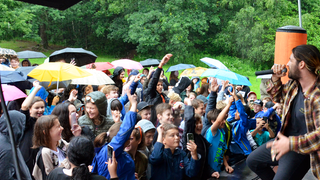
(149, 130)
(144, 110)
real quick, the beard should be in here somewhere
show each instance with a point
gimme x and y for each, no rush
(294, 73)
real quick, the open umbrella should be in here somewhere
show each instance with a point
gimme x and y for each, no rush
(97, 78)
(100, 66)
(150, 62)
(7, 52)
(180, 67)
(196, 71)
(57, 72)
(53, 85)
(81, 56)
(11, 93)
(5, 68)
(11, 77)
(127, 64)
(223, 74)
(30, 54)
(213, 63)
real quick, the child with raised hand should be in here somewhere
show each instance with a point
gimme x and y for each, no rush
(169, 162)
(118, 138)
(216, 137)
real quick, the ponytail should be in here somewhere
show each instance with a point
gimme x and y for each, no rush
(81, 172)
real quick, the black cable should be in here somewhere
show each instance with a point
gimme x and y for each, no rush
(11, 135)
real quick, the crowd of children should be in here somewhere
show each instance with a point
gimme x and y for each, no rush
(144, 128)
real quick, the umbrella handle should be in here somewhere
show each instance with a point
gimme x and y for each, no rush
(11, 135)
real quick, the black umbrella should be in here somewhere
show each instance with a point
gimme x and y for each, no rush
(150, 62)
(30, 54)
(81, 56)
(58, 4)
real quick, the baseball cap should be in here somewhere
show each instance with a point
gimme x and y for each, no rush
(78, 104)
(142, 105)
(258, 102)
(146, 125)
(251, 92)
(269, 104)
(202, 98)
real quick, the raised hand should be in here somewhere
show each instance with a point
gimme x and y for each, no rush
(137, 78)
(214, 85)
(164, 60)
(73, 95)
(192, 147)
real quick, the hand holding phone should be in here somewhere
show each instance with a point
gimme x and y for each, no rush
(190, 137)
(73, 120)
(110, 151)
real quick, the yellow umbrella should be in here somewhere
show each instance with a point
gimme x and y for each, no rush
(57, 71)
(196, 71)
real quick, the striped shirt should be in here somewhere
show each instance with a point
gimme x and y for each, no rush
(308, 143)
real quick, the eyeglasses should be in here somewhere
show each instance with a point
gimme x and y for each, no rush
(80, 108)
(89, 99)
(140, 130)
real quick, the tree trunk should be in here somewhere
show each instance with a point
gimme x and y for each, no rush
(43, 35)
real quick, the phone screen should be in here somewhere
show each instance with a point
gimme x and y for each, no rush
(110, 151)
(73, 120)
(190, 137)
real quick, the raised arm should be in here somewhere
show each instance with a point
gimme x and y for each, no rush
(26, 103)
(221, 117)
(126, 127)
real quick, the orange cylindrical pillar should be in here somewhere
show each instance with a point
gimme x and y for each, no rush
(288, 37)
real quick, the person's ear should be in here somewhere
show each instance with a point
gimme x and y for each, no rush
(159, 116)
(44, 132)
(301, 64)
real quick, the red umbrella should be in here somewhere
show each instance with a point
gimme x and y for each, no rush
(100, 66)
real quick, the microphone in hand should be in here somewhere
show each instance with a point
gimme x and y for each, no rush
(270, 71)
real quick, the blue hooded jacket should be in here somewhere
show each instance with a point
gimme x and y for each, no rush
(167, 166)
(126, 167)
(43, 94)
(240, 129)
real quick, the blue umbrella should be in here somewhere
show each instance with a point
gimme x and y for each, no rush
(11, 76)
(180, 67)
(223, 74)
(30, 54)
(213, 63)
(150, 62)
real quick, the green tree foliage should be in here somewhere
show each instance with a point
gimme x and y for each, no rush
(13, 19)
(240, 28)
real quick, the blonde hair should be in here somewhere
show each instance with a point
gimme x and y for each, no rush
(107, 89)
(221, 105)
(174, 96)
